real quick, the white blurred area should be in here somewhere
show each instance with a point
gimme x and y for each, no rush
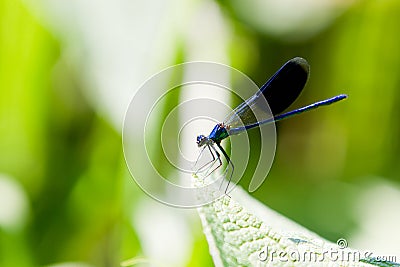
(164, 232)
(292, 20)
(377, 210)
(116, 45)
(13, 204)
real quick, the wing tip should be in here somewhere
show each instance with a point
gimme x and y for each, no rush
(302, 63)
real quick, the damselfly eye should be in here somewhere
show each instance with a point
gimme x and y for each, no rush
(200, 140)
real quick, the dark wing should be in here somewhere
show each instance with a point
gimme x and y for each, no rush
(280, 91)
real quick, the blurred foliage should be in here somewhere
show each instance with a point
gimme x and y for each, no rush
(69, 159)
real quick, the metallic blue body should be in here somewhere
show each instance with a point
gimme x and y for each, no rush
(219, 133)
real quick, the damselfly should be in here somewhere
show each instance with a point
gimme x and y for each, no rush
(280, 91)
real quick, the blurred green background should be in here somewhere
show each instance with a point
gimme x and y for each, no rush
(69, 68)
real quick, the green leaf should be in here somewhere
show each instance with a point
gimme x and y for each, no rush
(243, 232)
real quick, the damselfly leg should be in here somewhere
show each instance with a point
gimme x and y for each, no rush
(209, 165)
(228, 159)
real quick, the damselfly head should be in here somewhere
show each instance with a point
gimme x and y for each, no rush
(201, 140)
